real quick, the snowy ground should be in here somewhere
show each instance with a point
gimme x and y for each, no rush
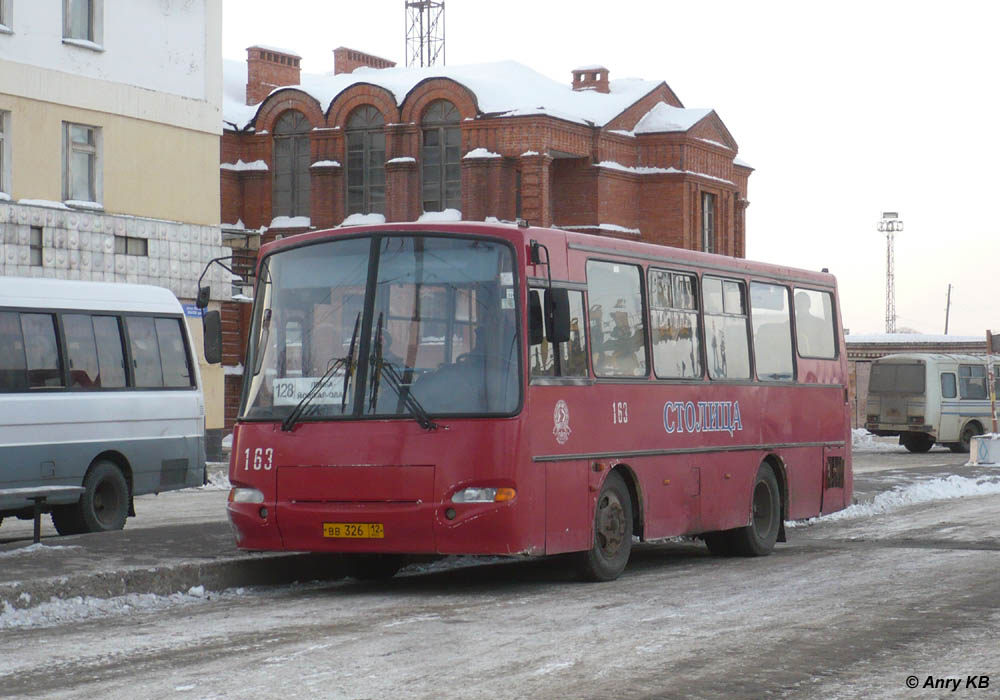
(902, 583)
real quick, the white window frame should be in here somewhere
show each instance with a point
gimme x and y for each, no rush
(5, 164)
(96, 191)
(6, 16)
(95, 28)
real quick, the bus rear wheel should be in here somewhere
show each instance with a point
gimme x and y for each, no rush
(612, 545)
(917, 443)
(970, 431)
(756, 539)
(103, 505)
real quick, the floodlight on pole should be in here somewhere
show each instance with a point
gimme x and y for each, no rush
(889, 225)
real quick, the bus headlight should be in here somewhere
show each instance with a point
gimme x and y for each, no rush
(245, 495)
(479, 494)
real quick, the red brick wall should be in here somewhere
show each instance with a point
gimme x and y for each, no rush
(345, 60)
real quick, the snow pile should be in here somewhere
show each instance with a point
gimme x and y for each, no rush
(861, 439)
(445, 215)
(57, 612)
(39, 547)
(218, 477)
(913, 494)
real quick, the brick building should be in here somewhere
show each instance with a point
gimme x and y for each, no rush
(371, 142)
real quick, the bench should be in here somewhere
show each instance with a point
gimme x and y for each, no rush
(38, 495)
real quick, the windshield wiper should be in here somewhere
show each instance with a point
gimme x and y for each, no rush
(395, 382)
(347, 362)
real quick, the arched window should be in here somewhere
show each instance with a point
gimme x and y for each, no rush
(441, 157)
(291, 165)
(366, 161)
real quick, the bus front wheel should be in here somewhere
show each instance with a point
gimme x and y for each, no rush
(970, 431)
(612, 545)
(102, 506)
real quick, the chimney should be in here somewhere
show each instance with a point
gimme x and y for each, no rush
(591, 78)
(345, 60)
(269, 68)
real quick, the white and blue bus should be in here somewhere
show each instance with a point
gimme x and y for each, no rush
(99, 389)
(928, 399)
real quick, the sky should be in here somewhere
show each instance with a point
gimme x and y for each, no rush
(845, 110)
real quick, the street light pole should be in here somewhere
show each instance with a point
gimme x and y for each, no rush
(889, 224)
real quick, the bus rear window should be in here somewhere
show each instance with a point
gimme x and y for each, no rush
(897, 378)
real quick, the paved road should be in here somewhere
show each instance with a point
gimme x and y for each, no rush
(847, 609)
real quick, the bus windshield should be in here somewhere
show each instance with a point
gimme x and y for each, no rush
(394, 325)
(897, 378)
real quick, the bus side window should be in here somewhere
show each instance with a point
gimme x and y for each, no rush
(673, 313)
(13, 368)
(173, 354)
(41, 350)
(814, 324)
(617, 330)
(772, 331)
(571, 360)
(110, 355)
(948, 386)
(81, 349)
(972, 381)
(726, 328)
(145, 352)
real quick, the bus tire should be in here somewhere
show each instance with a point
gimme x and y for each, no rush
(917, 443)
(373, 567)
(971, 430)
(757, 539)
(612, 544)
(102, 506)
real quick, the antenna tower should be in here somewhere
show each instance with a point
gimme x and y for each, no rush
(424, 32)
(889, 224)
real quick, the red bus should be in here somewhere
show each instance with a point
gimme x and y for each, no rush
(496, 389)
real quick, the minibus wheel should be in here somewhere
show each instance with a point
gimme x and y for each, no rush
(612, 544)
(102, 506)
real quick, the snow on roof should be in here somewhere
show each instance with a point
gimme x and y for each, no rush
(505, 88)
(663, 117)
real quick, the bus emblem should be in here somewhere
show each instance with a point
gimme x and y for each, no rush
(561, 417)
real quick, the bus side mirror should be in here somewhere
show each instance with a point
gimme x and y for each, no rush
(557, 315)
(211, 324)
(535, 325)
(203, 295)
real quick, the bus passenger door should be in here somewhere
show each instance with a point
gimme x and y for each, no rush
(834, 475)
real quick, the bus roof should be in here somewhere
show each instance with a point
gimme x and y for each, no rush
(587, 242)
(29, 292)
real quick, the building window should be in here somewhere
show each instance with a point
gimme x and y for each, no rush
(4, 151)
(6, 22)
(82, 20)
(35, 246)
(440, 155)
(708, 222)
(81, 162)
(366, 161)
(127, 245)
(291, 165)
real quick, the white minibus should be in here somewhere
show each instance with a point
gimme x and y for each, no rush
(929, 399)
(99, 389)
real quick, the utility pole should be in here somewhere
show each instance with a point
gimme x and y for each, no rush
(889, 224)
(947, 310)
